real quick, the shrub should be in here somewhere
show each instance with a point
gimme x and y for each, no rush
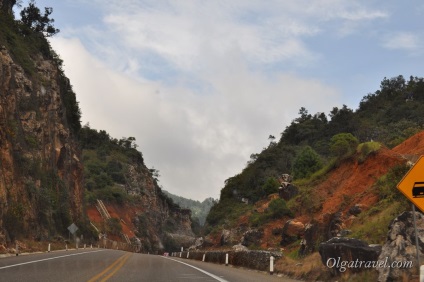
(113, 226)
(277, 208)
(367, 148)
(270, 186)
(306, 163)
(343, 145)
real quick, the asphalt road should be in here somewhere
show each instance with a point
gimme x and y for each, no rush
(112, 265)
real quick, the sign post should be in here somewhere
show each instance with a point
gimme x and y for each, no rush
(412, 186)
(72, 230)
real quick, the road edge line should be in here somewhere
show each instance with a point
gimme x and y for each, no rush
(199, 269)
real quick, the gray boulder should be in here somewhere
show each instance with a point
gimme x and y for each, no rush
(252, 237)
(400, 247)
(342, 254)
(288, 191)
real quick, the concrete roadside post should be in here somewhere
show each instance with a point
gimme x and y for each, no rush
(204, 255)
(17, 249)
(271, 265)
(48, 248)
(188, 253)
(226, 259)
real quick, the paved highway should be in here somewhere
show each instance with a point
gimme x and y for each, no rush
(111, 265)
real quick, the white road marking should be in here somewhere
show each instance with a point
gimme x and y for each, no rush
(34, 261)
(199, 269)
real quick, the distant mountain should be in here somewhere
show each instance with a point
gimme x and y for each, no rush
(199, 209)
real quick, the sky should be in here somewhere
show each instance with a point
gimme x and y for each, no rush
(201, 84)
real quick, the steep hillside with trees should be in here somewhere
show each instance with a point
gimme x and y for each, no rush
(53, 171)
(115, 173)
(388, 116)
(344, 168)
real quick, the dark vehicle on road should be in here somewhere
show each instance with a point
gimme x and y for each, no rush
(418, 190)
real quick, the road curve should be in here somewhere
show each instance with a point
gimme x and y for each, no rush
(112, 265)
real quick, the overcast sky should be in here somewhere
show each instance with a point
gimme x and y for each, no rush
(201, 84)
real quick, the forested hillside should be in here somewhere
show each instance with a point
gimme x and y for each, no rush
(313, 141)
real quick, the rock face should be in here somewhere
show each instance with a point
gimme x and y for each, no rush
(252, 237)
(7, 5)
(159, 223)
(289, 191)
(336, 251)
(292, 231)
(355, 210)
(41, 176)
(400, 246)
(41, 173)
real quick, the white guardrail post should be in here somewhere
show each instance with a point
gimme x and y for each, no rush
(204, 255)
(421, 273)
(48, 248)
(226, 259)
(271, 265)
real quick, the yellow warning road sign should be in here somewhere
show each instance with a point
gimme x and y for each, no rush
(412, 184)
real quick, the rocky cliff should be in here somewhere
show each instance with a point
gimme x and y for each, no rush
(7, 5)
(116, 174)
(40, 169)
(46, 182)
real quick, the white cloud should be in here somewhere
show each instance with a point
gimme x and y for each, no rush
(403, 41)
(196, 141)
(187, 78)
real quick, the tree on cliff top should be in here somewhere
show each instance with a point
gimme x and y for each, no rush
(31, 17)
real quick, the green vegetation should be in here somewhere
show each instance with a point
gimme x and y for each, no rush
(312, 145)
(113, 226)
(343, 145)
(306, 163)
(33, 20)
(366, 149)
(106, 162)
(277, 209)
(372, 224)
(271, 186)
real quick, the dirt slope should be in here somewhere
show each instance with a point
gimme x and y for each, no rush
(412, 147)
(349, 184)
(124, 214)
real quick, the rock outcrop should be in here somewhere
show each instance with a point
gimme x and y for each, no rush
(40, 168)
(252, 237)
(400, 247)
(292, 231)
(341, 254)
